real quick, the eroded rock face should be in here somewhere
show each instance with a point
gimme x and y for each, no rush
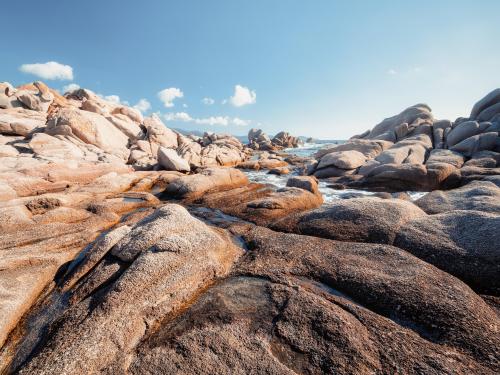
(311, 305)
(258, 140)
(90, 128)
(105, 278)
(435, 150)
(171, 161)
(164, 272)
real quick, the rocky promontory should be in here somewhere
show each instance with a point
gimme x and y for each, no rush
(129, 248)
(414, 151)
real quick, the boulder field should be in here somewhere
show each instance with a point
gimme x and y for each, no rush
(414, 151)
(129, 248)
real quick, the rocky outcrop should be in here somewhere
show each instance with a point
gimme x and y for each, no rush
(98, 275)
(418, 153)
(462, 243)
(258, 140)
(169, 258)
(91, 128)
(481, 196)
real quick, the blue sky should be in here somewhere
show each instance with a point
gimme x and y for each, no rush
(323, 68)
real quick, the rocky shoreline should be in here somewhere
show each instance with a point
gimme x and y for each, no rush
(128, 247)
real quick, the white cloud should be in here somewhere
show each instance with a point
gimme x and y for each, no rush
(239, 122)
(70, 87)
(417, 69)
(392, 72)
(212, 120)
(242, 96)
(50, 70)
(178, 116)
(208, 101)
(143, 105)
(167, 96)
(115, 99)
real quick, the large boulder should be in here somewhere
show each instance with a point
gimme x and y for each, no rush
(438, 130)
(342, 159)
(20, 121)
(208, 180)
(358, 219)
(465, 130)
(413, 116)
(158, 134)
(412, 150)
(490, 100)
(90, 128)
(304, 182)
(369, 148)
(480, 142)
(445, 156)
(44, 145)
(171, 161)
(463, 243)
(481, 196)
(285, 140)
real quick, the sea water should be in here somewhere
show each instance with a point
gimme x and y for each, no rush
(329, 195)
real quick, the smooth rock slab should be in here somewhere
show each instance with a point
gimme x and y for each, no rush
(481, 196)
(462, 243)
(358, 219)
(342, 159)
(171, 161)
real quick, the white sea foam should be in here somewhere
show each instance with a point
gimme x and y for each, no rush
(329, 194)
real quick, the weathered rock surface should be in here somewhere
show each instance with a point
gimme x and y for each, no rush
(481, 196)
(171, 161)
(359, 219)
(462, 243)
(178, 258)
(209, 180)
(99, 276)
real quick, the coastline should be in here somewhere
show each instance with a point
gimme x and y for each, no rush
(128, 247)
